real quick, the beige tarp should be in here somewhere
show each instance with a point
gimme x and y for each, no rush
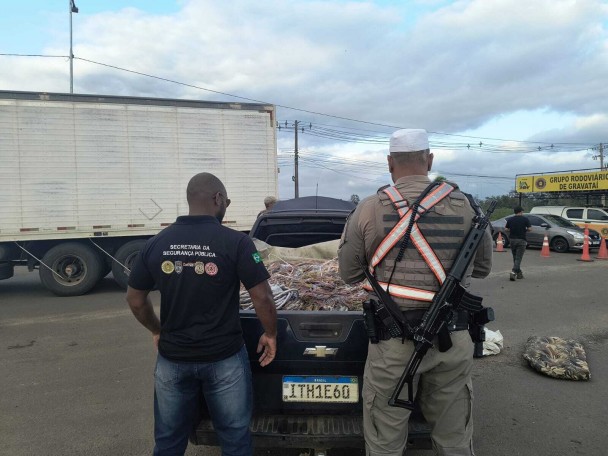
(322, 251)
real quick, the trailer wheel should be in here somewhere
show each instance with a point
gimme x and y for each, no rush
(76, 269)
(126, 255)
(106, 264)
(6, 270)
(107, 268)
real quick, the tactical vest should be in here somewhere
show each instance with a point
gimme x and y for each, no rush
(427, 256)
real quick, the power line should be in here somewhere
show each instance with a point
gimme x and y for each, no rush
(365, 168)
(495, 139)
(369, 167)
(227, 94)
(140, 73)
(346, 134)
(35, 55)
(482, 176)
(320, 165)
(320, 132)
(548, 143)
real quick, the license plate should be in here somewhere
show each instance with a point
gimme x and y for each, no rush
(595, 242)
(320, 389)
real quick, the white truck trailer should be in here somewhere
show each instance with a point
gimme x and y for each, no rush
(85, 180)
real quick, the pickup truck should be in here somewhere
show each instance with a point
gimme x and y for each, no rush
(310, 395)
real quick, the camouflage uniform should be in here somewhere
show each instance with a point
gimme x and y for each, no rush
(445, 385)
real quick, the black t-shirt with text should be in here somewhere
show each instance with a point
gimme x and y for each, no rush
(198, 265)
(518, 226)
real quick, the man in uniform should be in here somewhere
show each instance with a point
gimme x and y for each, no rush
(198, 266)
(446, 215)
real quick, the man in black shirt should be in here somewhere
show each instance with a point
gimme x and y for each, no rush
(198, 266)
(517, 226)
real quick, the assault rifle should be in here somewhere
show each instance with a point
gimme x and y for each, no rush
(451, 297)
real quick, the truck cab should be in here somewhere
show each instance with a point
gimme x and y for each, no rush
(302, 221)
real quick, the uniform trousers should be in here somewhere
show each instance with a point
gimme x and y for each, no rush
(445, 397)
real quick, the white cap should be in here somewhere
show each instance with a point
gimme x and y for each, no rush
(409, 140)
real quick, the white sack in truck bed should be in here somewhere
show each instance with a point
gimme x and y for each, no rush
(307, 278)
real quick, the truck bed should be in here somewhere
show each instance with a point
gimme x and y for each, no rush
(318, 420)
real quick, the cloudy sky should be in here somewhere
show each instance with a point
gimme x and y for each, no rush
(505, 87)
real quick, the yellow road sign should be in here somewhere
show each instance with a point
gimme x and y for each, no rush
(564, 182)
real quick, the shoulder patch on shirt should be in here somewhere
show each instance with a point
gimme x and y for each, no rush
(167, 267)
(211, 269)
(256, 257)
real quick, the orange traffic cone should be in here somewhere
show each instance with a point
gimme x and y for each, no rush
(585, 256)
(544, 252)
(500, 243)
(603, 252)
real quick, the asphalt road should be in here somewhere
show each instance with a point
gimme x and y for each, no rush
(77, 372)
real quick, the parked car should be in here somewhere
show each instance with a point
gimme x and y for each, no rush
(593, 217)
(563, 235)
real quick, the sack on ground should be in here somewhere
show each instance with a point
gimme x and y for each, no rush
(557, 357)
(493, 343)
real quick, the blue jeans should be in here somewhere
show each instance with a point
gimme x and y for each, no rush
(226, 386)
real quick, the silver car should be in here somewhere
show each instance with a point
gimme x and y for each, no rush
(563, 235)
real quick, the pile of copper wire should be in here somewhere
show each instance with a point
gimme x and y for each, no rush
(310, 285)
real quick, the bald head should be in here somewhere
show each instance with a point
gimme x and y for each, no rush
(411, 158)
(203, 185)
(206, 195)
(417, 163)
(269, 201)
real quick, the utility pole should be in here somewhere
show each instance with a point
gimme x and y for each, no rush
(295, 179)
(73, 9)
(600, 155)
(603, 198)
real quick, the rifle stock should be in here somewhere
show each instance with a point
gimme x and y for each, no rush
(408, 377)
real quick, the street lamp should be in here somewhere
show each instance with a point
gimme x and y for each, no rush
(73, 9)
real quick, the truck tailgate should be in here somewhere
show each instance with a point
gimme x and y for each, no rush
(310, 395)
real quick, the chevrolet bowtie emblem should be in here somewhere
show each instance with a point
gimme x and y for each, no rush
(320, 351)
